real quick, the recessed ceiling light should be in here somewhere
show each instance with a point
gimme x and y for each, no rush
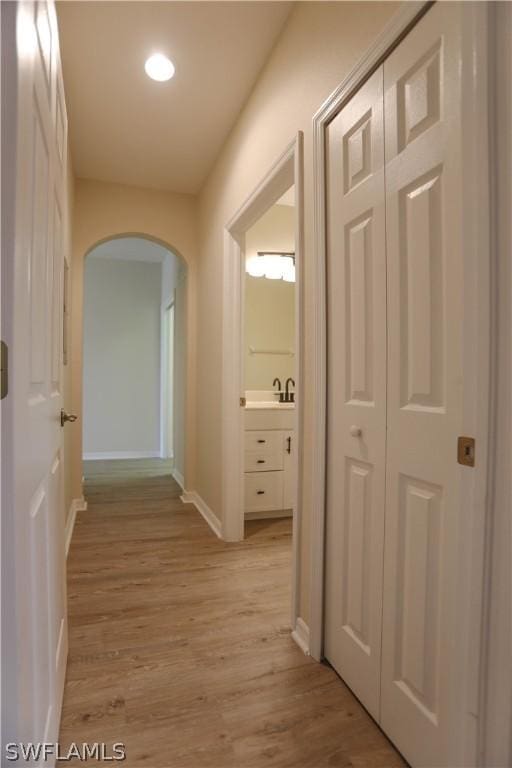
(159, 67)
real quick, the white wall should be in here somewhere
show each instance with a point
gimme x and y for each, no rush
(318, 47)
(121, 356)
(269, 304)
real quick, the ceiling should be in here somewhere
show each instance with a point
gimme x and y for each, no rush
(129, 129)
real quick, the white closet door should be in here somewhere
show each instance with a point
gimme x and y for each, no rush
(357, 391)
(425, 529)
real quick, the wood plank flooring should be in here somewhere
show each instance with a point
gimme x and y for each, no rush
(180, 644)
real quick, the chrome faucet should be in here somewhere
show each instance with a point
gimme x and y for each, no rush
(289, 397)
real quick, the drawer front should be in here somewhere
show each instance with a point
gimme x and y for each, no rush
(269, 419)
(264, 440)
(263, 461)
(263, 490)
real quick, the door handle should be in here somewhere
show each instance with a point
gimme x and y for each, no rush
(289, 447)
(67, 417)
(261, 461)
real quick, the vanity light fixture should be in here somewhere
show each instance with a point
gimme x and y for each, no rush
(274, 265)
(159, 67)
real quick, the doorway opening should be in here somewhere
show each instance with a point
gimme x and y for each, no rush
(268, 363)
(262, 331)
(134, 374)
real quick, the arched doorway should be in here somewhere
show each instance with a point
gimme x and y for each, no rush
(134, 363)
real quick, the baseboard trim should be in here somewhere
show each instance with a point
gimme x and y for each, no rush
(106, 455)
(301, 635)
(77, 505)
(271, 514)
(179, 478)
(191, 497)
(70, 526)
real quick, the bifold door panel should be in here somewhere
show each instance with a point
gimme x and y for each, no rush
(357, 400)
(395, 388)
(424, 178)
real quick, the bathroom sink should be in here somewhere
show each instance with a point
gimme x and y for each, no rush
(265, 399)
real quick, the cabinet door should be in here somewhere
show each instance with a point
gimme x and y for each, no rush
(290, 470)
(426, 530)
(356, 418)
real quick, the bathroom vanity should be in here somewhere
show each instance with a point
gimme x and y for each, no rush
(269, 458)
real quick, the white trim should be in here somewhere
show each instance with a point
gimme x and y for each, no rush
(285, 172)
(166, 305)
(392, 33)
(496, 721)
(481, 297)
(192, 497)
(106, 455)
(178, 477)
(77, 505)
(80, 504)
(232, 455)
(301, 635)
(70, 526)
(269, 514)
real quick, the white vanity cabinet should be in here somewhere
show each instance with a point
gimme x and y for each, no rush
(289, 470)
(269, 461)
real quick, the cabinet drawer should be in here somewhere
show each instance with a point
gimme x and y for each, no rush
(263, 461)
(263, 490)
(264, 440)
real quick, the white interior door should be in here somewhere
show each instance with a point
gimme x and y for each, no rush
(426, 535)
(356, 403)
(34, 470)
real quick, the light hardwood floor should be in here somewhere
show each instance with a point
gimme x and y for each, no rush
(180, 644)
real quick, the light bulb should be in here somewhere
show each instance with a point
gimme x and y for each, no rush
(289, 273)
(159, 67)
(255, 266)
(273, 268)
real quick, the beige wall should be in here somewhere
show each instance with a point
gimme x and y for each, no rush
(102, 211)
(318, 48)
(269, 304)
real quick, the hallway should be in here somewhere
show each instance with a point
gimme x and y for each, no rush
(180, 645)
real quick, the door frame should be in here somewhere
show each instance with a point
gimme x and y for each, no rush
(285, 172)
(166, 384)
(479, 253)
(496, 731)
